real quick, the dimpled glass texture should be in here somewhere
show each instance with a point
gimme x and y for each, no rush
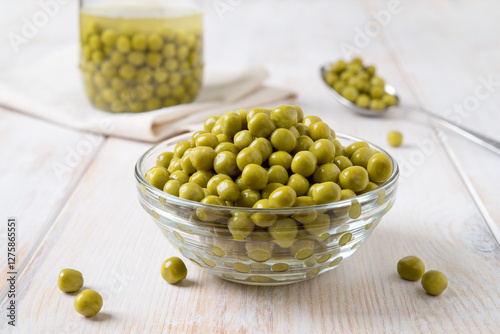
(258, 259)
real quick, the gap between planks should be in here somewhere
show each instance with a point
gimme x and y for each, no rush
(493, 229)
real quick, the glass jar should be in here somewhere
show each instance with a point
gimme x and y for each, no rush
(141, 55)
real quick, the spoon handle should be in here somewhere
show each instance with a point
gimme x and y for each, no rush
(484, 141)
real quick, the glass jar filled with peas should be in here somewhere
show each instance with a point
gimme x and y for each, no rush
(141, 55)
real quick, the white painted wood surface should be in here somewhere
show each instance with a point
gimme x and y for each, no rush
(445, 211)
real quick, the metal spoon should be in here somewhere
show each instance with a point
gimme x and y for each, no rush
(484, 141)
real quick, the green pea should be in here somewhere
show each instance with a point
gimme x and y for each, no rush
(300, 113)
(225, 139)
(173, 270)
(207, 139)
(201, 178)
(303, 130)
(136, 58)
(411, 268)
(306, 217)
(395, 138)
(326, 172)
(363, 101)
(155, 42)
(354, 147)
(252, 112)
(172, 187)
(263, 219)
(284, 231)
(139, 42)
(226, 146)
(283, 140)
(270, 187)
(434, 282)
(377, 104)
(169, 50)
(376, 91)
(228, 190)
(191, 191)
(302, 249)
(347, 194)
(350, 93)
(108, 37)
(379, 168)
(361, 156)
(230, 123)
(214, 182)
(319, 227)
(127, 71)
(70, 280)
(262, 145)
(303, 144)
(210, 122)
(280, 158)
(371, 186)
(240, 226)
(261, 125)
(284, 116)
(153, 59)
(157, 176)
(283, 197)
(338, 66)
(123, 44)
(243, 139)
(354, 178)
(319, 130)
(323, 150)
(248, 198)
(277, 174)
(254, 176)
(202, 157)
(304, 163)
(326, 192)
(225, 163)
(88, 303)
(248, 156)
(298, 183)
(181, 147)
(389, 100)
(164, 159)
(187, 165)
(95, 42)
(342, 162)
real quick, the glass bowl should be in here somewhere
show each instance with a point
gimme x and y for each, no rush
(303, 242)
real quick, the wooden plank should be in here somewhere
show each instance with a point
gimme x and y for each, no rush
(41, 164)
(458, 78)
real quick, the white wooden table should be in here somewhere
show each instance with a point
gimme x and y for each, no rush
(447, 212)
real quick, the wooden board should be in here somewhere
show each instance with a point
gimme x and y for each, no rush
(41, 164)
(444, 212)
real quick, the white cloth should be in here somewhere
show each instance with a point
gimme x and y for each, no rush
(52, 89)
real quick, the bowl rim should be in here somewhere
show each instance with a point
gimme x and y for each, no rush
(171, 199)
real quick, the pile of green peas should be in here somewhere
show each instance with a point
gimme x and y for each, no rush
(269, 158)
(131, 65)
(359, 84)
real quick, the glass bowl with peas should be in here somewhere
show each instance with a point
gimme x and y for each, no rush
(266, 196)
(139, 56)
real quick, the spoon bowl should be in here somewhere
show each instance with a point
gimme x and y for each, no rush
(353, 106)
(477, 138)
